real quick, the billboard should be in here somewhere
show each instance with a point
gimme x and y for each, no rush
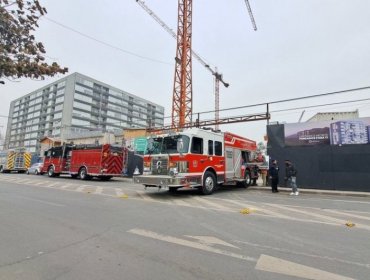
(344, 132)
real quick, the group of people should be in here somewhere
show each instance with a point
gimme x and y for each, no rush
(290, 176)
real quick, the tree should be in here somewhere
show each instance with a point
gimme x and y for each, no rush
(20, 54)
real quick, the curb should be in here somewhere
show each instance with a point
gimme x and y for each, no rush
(316, 191)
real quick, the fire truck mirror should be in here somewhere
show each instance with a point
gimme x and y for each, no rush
(180, 145)
(150, 146)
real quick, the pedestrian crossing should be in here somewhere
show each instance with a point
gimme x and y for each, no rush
(229, 203)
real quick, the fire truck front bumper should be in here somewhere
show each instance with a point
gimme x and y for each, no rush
(164, 181)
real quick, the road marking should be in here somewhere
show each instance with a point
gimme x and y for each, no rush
(210, 240)
(52, 185)
(182, 202)
(119, 192)
(328, 218)
(98, 190)
(276, 265)
(290, 252)
(262, 210)
(187, 243)
(144, 196)
(38, 183)
(347, 214)
(65, 186)
(214, 205)
(44, 202)
(81, 188)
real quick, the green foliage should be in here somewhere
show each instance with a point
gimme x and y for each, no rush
(20, 54)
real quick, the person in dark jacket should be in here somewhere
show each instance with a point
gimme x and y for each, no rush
(274, 176)
(291, 176)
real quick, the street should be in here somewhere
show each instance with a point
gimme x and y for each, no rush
(64, 228)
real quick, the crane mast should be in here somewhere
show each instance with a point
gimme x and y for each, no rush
(217, 76)
(182, 99)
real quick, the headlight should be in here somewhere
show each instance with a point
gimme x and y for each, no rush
(173, 171)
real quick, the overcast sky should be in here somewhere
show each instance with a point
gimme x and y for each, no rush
(300, 48)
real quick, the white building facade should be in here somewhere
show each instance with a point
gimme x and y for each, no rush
(74, 104)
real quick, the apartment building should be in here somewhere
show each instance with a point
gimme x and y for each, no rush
(76, 104)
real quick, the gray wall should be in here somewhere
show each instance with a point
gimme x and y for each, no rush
(345, 167)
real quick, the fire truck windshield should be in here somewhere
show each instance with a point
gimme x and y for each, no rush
(168, 145)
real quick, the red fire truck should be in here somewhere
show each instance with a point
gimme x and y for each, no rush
(84, 161)
(198, 158)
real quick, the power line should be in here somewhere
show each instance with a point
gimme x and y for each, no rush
(320, 105)
(288, 100)
(106, 44)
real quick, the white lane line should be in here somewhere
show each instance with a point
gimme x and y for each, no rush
(214, 205)
(324, 217)
(308, 213)
(119, 192)
(187, 243)
(143, 195)
(52, 185)
(181, 202)
(98, 190)
(65, 186)
(280, 266)
(290, 252)
(81, 188)
(38, 183)
(347, 214)
(262, 210)
(44, 202)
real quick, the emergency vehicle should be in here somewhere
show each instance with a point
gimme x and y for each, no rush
(198, 158)
(84, 161)
(15, 160)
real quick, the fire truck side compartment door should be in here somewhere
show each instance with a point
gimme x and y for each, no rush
(229, 155)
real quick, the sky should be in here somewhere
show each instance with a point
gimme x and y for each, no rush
(301, 48)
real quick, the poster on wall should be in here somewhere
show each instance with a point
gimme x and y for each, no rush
(334, 132)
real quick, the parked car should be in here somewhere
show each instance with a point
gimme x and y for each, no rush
(35, 168)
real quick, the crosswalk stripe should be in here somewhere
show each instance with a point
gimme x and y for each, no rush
(144, 196)
(181, 202)
(347, 214)
(98, 190)
(328, 218)
(214, 205)
(259, 209)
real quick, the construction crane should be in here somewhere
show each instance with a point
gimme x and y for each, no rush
(217, 76)
(183, 92)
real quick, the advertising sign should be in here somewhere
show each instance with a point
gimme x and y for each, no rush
(343, 132)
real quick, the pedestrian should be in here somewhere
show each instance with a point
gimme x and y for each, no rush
(291, 176)
(274, 176)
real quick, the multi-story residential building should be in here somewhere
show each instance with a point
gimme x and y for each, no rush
(73, 104)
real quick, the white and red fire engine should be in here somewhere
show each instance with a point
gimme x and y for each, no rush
(84, 161)
(198, 158)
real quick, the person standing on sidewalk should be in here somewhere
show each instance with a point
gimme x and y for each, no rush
(291, 176)
(274, 176)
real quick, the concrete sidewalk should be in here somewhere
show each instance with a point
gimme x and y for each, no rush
(312, 191)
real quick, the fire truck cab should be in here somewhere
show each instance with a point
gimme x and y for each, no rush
(197, 158)
(84, 161)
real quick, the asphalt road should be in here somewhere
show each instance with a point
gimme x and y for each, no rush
(63, 228)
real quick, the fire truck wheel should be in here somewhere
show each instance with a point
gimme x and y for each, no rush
(83, 174)
(51, 172)
(209, 183)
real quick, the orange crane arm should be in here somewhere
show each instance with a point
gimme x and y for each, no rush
(173, 34)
